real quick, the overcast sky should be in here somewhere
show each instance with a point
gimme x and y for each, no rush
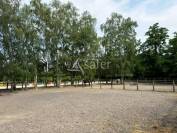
(145, 12)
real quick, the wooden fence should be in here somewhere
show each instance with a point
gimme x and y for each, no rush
(150, 85)
(138, 85)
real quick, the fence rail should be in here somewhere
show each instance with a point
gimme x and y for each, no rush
(146, 85)
(138, 85)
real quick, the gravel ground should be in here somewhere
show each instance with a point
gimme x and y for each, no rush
(85, 110)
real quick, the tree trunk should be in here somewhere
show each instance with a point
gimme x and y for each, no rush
(25, 84)
(58, 81)
(35, 78)
(35, 81)
(22, 85)
(57, 76)
(46, 83)
(72, 79)
(7, 85)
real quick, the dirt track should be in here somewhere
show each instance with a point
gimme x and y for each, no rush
(85, 110)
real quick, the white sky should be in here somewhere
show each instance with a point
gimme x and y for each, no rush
(145, 12)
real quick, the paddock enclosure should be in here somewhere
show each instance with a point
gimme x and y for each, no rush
(88, 110)
(138, 85)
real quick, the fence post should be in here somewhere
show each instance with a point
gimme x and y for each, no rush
(173, 86)
(7, 85)
(153, 85)
(137, 85)
(100, 84)
(111, 84)
(123, 85)
(75, 83)
(82, 84)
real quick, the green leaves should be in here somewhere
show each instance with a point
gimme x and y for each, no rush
(39, 38)
(156, 40)
(153, 50)
(119, 41)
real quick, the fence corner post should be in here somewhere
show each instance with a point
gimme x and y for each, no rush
(123, 84)
(173, 86)
(153, 85)
(137, 85)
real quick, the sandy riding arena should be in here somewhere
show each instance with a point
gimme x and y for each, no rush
(86, 110)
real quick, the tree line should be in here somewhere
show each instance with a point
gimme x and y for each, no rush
(39, 41)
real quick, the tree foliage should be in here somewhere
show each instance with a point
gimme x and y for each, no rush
(41, 42)
(153, 49)
(119, 41)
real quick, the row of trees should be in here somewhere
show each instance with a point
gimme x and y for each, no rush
(39, 42)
